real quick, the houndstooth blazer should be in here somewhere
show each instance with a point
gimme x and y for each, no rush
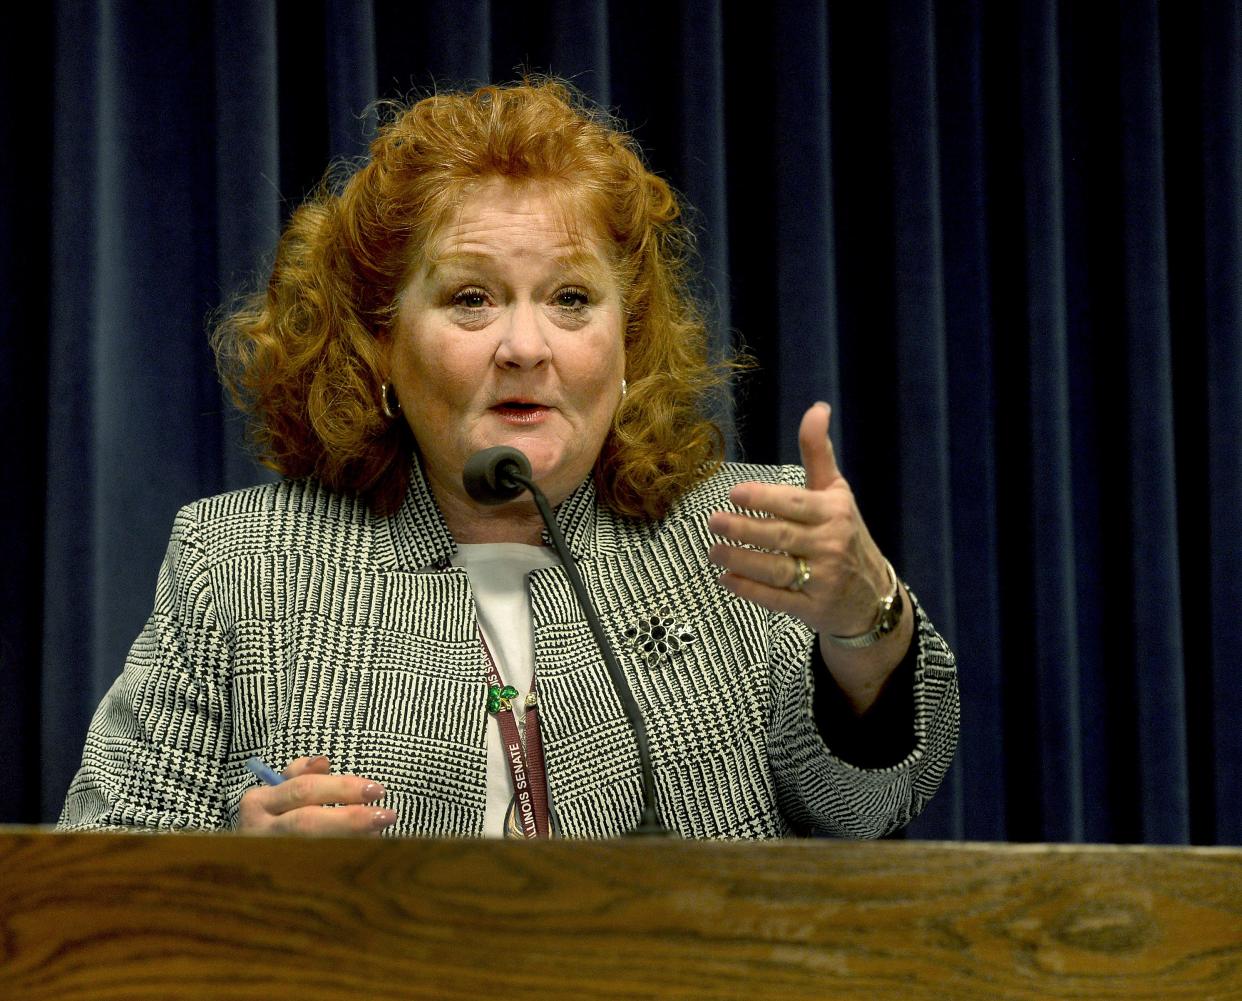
(291, 621)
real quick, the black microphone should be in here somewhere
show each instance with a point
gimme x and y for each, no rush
(499, 474)
(488, 476)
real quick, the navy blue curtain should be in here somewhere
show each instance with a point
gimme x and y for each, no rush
(1005, 240)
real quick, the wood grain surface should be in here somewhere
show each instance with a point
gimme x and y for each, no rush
(104, 916)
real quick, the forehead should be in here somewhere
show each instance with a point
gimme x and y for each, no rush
(500, 218)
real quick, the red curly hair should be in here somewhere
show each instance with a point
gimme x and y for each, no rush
(305, 359)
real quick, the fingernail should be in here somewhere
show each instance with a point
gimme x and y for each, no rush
(383, 818)
(318, 759)
(372, 791)
(822, 404)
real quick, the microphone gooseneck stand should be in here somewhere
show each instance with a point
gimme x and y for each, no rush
(498, 474)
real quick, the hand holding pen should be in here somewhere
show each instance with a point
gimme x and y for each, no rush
(293, 802)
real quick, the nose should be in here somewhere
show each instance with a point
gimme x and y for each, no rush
(523, 341)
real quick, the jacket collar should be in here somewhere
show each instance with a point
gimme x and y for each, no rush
(578, 516)
(421, 539)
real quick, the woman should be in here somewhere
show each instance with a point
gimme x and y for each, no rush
(504, 270)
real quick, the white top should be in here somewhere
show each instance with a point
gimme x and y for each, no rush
(497, 572)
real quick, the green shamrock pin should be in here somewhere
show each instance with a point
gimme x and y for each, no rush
(500, 699)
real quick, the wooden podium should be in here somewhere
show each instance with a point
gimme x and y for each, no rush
(126, 917)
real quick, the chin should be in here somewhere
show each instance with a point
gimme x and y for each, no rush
(552, 469)
(545, 460)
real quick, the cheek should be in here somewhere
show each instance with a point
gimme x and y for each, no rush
(403, 355)
(434, 370)
(606, 366)
(599, 360)
(599, 383)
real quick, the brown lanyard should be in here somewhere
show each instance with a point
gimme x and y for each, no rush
(527, 816)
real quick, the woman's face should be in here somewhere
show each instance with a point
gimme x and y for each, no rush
(509, 333)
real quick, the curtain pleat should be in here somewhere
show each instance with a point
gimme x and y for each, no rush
(247, 164)
(1221, 109)
(1158, 672)
(1087, 125)
(1051, 551)
(349, 37)
(580, 47)
(701, 159)
(971, 415)
(26, 76)
(1003, 240)
(803, 245)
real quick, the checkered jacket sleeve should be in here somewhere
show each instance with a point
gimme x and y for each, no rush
(158, 740)
(817, 789)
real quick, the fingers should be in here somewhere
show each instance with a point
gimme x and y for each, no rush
(826, 533)
(803, 507)
(322, 790)
(766, 533)
(341, 821)
(779, 599)
(818, 458)
(318, 765)
(297, 806)
(773, 569)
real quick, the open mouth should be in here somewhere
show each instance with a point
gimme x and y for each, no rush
(520, 411)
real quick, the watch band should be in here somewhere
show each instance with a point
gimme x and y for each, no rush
(888, 615)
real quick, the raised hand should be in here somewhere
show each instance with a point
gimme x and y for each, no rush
(813, 558)
(297, 805)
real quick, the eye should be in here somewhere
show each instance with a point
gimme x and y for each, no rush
(469, 298)
(571, 297)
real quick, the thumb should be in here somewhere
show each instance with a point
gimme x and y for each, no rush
(818, 458)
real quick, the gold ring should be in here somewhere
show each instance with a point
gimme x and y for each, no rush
(802, 574)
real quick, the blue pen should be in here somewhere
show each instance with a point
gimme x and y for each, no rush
(264, 772)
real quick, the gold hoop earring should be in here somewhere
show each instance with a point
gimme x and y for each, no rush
(390, 405)
(624, 388)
